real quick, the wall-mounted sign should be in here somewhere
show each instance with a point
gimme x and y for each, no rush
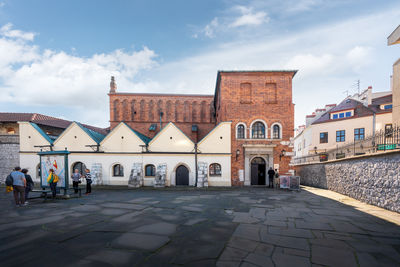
(58, 161)
(323, 157)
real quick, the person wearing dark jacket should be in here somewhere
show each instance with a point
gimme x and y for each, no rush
(271, 175)
(88, 177)
(29, 184)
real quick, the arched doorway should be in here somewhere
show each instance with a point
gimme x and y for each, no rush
(182, 175)
(80, 166)
(258, 168)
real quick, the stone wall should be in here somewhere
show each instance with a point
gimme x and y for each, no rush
(372, 179)
(9, 155)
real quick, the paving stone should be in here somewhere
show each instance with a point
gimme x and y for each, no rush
(284, 241)
(290, 232)
(332, 256)
(243, 244)
(297, 252)
(259, 259)
(161, 228)
(113, 212)
(265, 249)
(192, 209)
(332, 243)
(228, 263)
(313, 226)
(244, 217)
(194, 221)
(126, 218)
(248, 231)
(233, 254)
(139, 241)
(366, 260)
(124, 206)
(346, 227)
(258, 213)
(281, 259)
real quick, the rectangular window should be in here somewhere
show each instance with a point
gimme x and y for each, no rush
(245, 93)
(340, 136)
(388, 130)
(348, 114)
(341, 115)
(270, 93)
(323, 138)
(335, 116)
(359, 134)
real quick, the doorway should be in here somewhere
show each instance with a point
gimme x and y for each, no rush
(258, 168)
(182, 175)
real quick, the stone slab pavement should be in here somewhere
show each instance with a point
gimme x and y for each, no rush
(199, 227)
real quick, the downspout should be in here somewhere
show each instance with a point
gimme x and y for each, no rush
(373, 130)
(195, 162)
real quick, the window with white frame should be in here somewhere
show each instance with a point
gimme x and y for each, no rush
(240, 132)
(258, 130)
(276, 131)
(118, 170)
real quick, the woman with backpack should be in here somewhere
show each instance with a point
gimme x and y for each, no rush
(52, 180)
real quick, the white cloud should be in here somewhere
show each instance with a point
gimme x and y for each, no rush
(303, 5)
(309, 63)
(2, 4)
(209, 29)
(29, 76)
(359, 56)
(7, 31)
(249, 18)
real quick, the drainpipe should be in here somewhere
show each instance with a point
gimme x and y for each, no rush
(373, 130)
(195, 162)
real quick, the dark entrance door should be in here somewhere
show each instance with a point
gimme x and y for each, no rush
(182, 176)
(258, 171)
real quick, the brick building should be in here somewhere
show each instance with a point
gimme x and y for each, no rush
(258, 103)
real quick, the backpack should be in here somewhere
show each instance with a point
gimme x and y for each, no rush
(9, 180)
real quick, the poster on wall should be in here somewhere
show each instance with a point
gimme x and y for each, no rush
(241, 175)
(56, 160)
(284, 181)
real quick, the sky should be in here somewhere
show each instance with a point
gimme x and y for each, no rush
(56, 57)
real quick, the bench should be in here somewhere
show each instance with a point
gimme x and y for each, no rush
(44, 193)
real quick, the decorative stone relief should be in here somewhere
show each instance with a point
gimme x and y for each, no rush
(136, 177)
(161, 175)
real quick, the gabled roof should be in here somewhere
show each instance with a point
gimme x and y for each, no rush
(41, 119)
(141, 136)
(97, 137)
(37, 128)
(213, 129)
(382, 100)
(165, 127)
(359, 111)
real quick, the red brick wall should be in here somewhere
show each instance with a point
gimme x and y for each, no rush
(141, 110)
(271, 101)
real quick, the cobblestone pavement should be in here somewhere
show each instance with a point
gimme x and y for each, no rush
(188, 227)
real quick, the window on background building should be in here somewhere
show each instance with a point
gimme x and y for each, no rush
(341, 115)
(118, 170)
(240, 132)
(150, 170)
(340, 136)
(215, 169)
(323, 138)
(276, 132)
(348, 114)
(153, 127)
(388, 130)
(359, 134)
(388, 106)
(258, 130)
(10, 131)
(335, 116)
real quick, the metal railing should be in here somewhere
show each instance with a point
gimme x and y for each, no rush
(383, 140)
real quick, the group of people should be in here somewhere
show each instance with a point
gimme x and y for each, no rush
(21, 183)
(271, 175)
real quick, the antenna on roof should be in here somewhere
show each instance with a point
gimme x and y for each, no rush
(346, 92)
(357, 85)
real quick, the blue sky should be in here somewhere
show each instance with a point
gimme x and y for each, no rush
(56, 57)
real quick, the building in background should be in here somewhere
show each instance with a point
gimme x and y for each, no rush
(394, 38)
(355, 118)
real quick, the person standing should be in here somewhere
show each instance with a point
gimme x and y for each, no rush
(29, 184)
(271, 175)
(19, 184)
(76, 179)
(88, 177)
(52, 180)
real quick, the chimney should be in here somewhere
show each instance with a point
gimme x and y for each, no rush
(369, 95)
(113, 85)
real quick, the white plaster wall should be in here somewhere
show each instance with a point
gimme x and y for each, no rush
(218, 140)
(171, 139)
(30, 161)
(67, 139)
(225, 162)
(30, 137)
(122, 139)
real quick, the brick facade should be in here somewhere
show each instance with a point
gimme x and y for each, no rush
(240, 97)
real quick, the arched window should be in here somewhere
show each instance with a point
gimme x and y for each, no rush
(240, 132)
(215, 169)
(150, 170)
(258, 130)
(79, 166)
(276, 132)
(118, 170)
